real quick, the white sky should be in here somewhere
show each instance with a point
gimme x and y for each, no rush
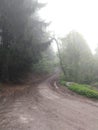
(68, 15)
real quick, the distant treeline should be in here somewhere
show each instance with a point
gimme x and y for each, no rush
(78, 62)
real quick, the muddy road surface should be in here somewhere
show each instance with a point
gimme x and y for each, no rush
(42, 108)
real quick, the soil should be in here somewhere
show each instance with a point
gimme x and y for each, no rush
(45, 106)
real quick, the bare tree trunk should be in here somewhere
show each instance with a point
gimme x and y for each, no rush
(60, 57)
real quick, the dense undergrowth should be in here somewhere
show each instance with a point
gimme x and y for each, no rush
(81, 89)
(84, 90)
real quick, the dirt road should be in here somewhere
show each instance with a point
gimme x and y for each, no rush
(41, 108)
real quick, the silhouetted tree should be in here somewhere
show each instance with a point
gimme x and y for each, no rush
(23, 37)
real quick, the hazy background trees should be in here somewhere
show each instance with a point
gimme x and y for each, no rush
(48, 63)
(96, 64)
(78, 60)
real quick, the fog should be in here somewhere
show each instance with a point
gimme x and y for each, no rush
(78, 15)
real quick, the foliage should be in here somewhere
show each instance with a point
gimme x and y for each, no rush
(77, 58)
(62, 77)
(62, 82)
(84, 90)
(95, 84)
(23, 37)
(47, 63)
(96, 65)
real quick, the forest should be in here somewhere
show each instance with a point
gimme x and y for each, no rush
(23, 39)
(26, 46)
(43, 87)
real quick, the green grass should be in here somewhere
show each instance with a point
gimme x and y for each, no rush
(84, 90)
(81, 89)
(63, 82)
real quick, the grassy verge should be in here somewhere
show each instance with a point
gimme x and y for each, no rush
(81, 89)
(84, 90)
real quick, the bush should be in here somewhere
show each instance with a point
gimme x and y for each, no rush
(84, 90)
(62, 82)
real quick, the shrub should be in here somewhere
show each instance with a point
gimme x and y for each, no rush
(62, 82)
(84, 90)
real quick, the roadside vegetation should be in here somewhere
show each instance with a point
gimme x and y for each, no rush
(82, 89)
(80, 65)
(47, 63)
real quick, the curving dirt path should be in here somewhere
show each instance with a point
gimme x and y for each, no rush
(41, 108)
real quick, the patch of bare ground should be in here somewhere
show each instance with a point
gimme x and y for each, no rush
(8, 89)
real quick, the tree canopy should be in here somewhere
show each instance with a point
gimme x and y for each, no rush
(77, 58)
(23, 37)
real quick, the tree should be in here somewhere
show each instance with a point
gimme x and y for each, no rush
(77, 58)
(48, 62)
(96, 65)
(23, 37)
